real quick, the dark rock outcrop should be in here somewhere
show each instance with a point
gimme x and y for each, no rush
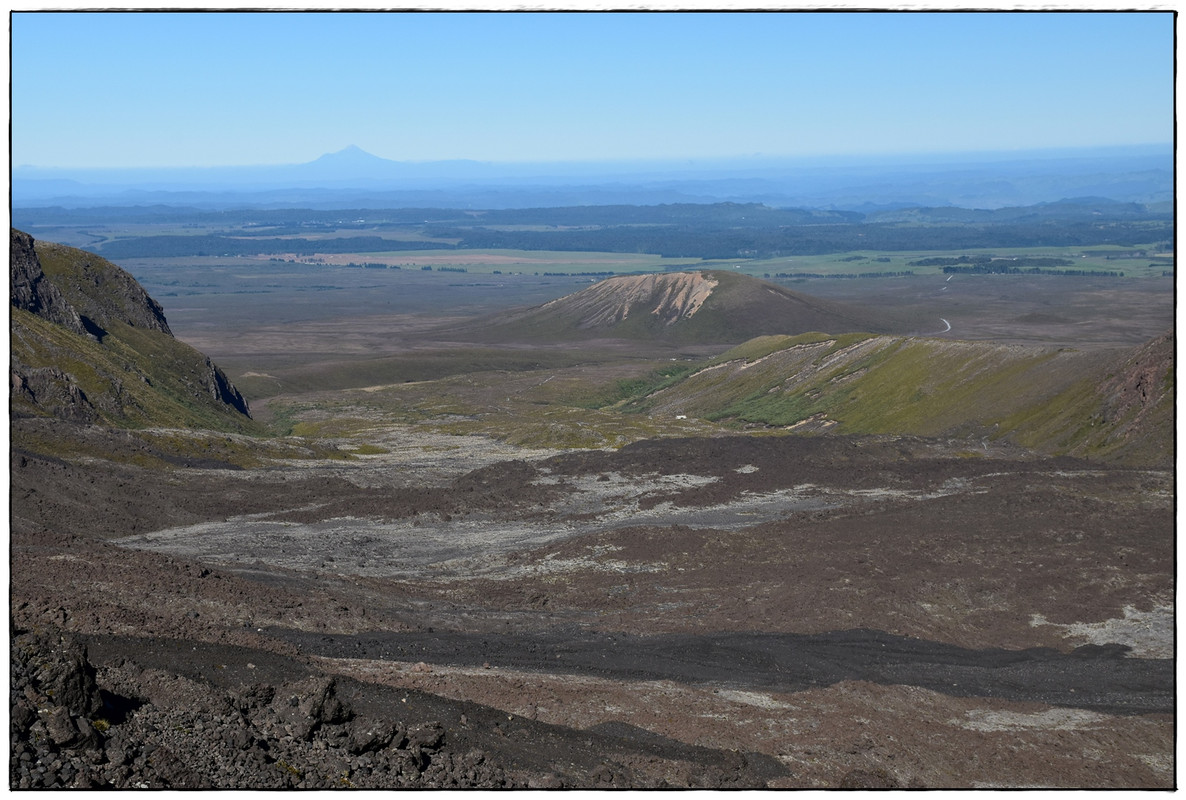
(67, 733)
(52, 390)
(222, 390)
(32, 291)
(102, 293)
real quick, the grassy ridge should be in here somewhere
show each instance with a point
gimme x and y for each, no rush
(628, 388)
(1128, 417)
(135, 378)
(1048, 399)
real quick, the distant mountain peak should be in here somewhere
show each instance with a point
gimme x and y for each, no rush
(351, 154)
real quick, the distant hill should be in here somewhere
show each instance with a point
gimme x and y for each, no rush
(710, 306)
(89, 345)
(1053, 400)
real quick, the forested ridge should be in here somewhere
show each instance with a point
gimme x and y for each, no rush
(817, 239)
(217, 245)
(709, 231)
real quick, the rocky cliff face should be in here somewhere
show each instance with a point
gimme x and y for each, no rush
(221, 388)
(100, 292)
(32, 291)
(89, 345)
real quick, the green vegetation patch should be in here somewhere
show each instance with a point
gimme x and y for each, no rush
(629, 388)
(867, 384)
(369, 450)
(559, 427)
(921, 386)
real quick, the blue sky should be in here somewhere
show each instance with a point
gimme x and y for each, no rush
(225, 88)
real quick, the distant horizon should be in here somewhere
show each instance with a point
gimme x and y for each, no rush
(166, 89)
(353, 178)
(847, 158)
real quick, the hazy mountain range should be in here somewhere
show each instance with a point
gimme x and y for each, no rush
(353, 178)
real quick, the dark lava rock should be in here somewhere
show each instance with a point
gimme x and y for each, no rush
(375, 736)
(68, 731)
(192, 726)
(310, 705)
(61, 675)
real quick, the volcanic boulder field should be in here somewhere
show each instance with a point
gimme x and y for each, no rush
(645, 550)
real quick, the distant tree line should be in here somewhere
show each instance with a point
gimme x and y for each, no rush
(816, 239)
(898, 274)
(577, 274)
(1005, 268)
(983, 259)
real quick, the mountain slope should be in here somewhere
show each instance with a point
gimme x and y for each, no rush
(1123, 412)
(1054, 400)
(89, 345)
(711, 306)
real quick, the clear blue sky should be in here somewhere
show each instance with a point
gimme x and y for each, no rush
(226, 88)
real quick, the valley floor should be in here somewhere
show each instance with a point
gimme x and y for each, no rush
(704, 611)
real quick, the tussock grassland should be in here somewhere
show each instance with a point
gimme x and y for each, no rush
(410, 367)
(1045, 398)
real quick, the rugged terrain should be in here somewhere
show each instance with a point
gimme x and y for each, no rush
(673, 588)
(427, 585)
(90, 345)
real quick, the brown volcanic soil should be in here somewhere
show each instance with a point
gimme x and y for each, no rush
(844, 611)
(673, 297)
